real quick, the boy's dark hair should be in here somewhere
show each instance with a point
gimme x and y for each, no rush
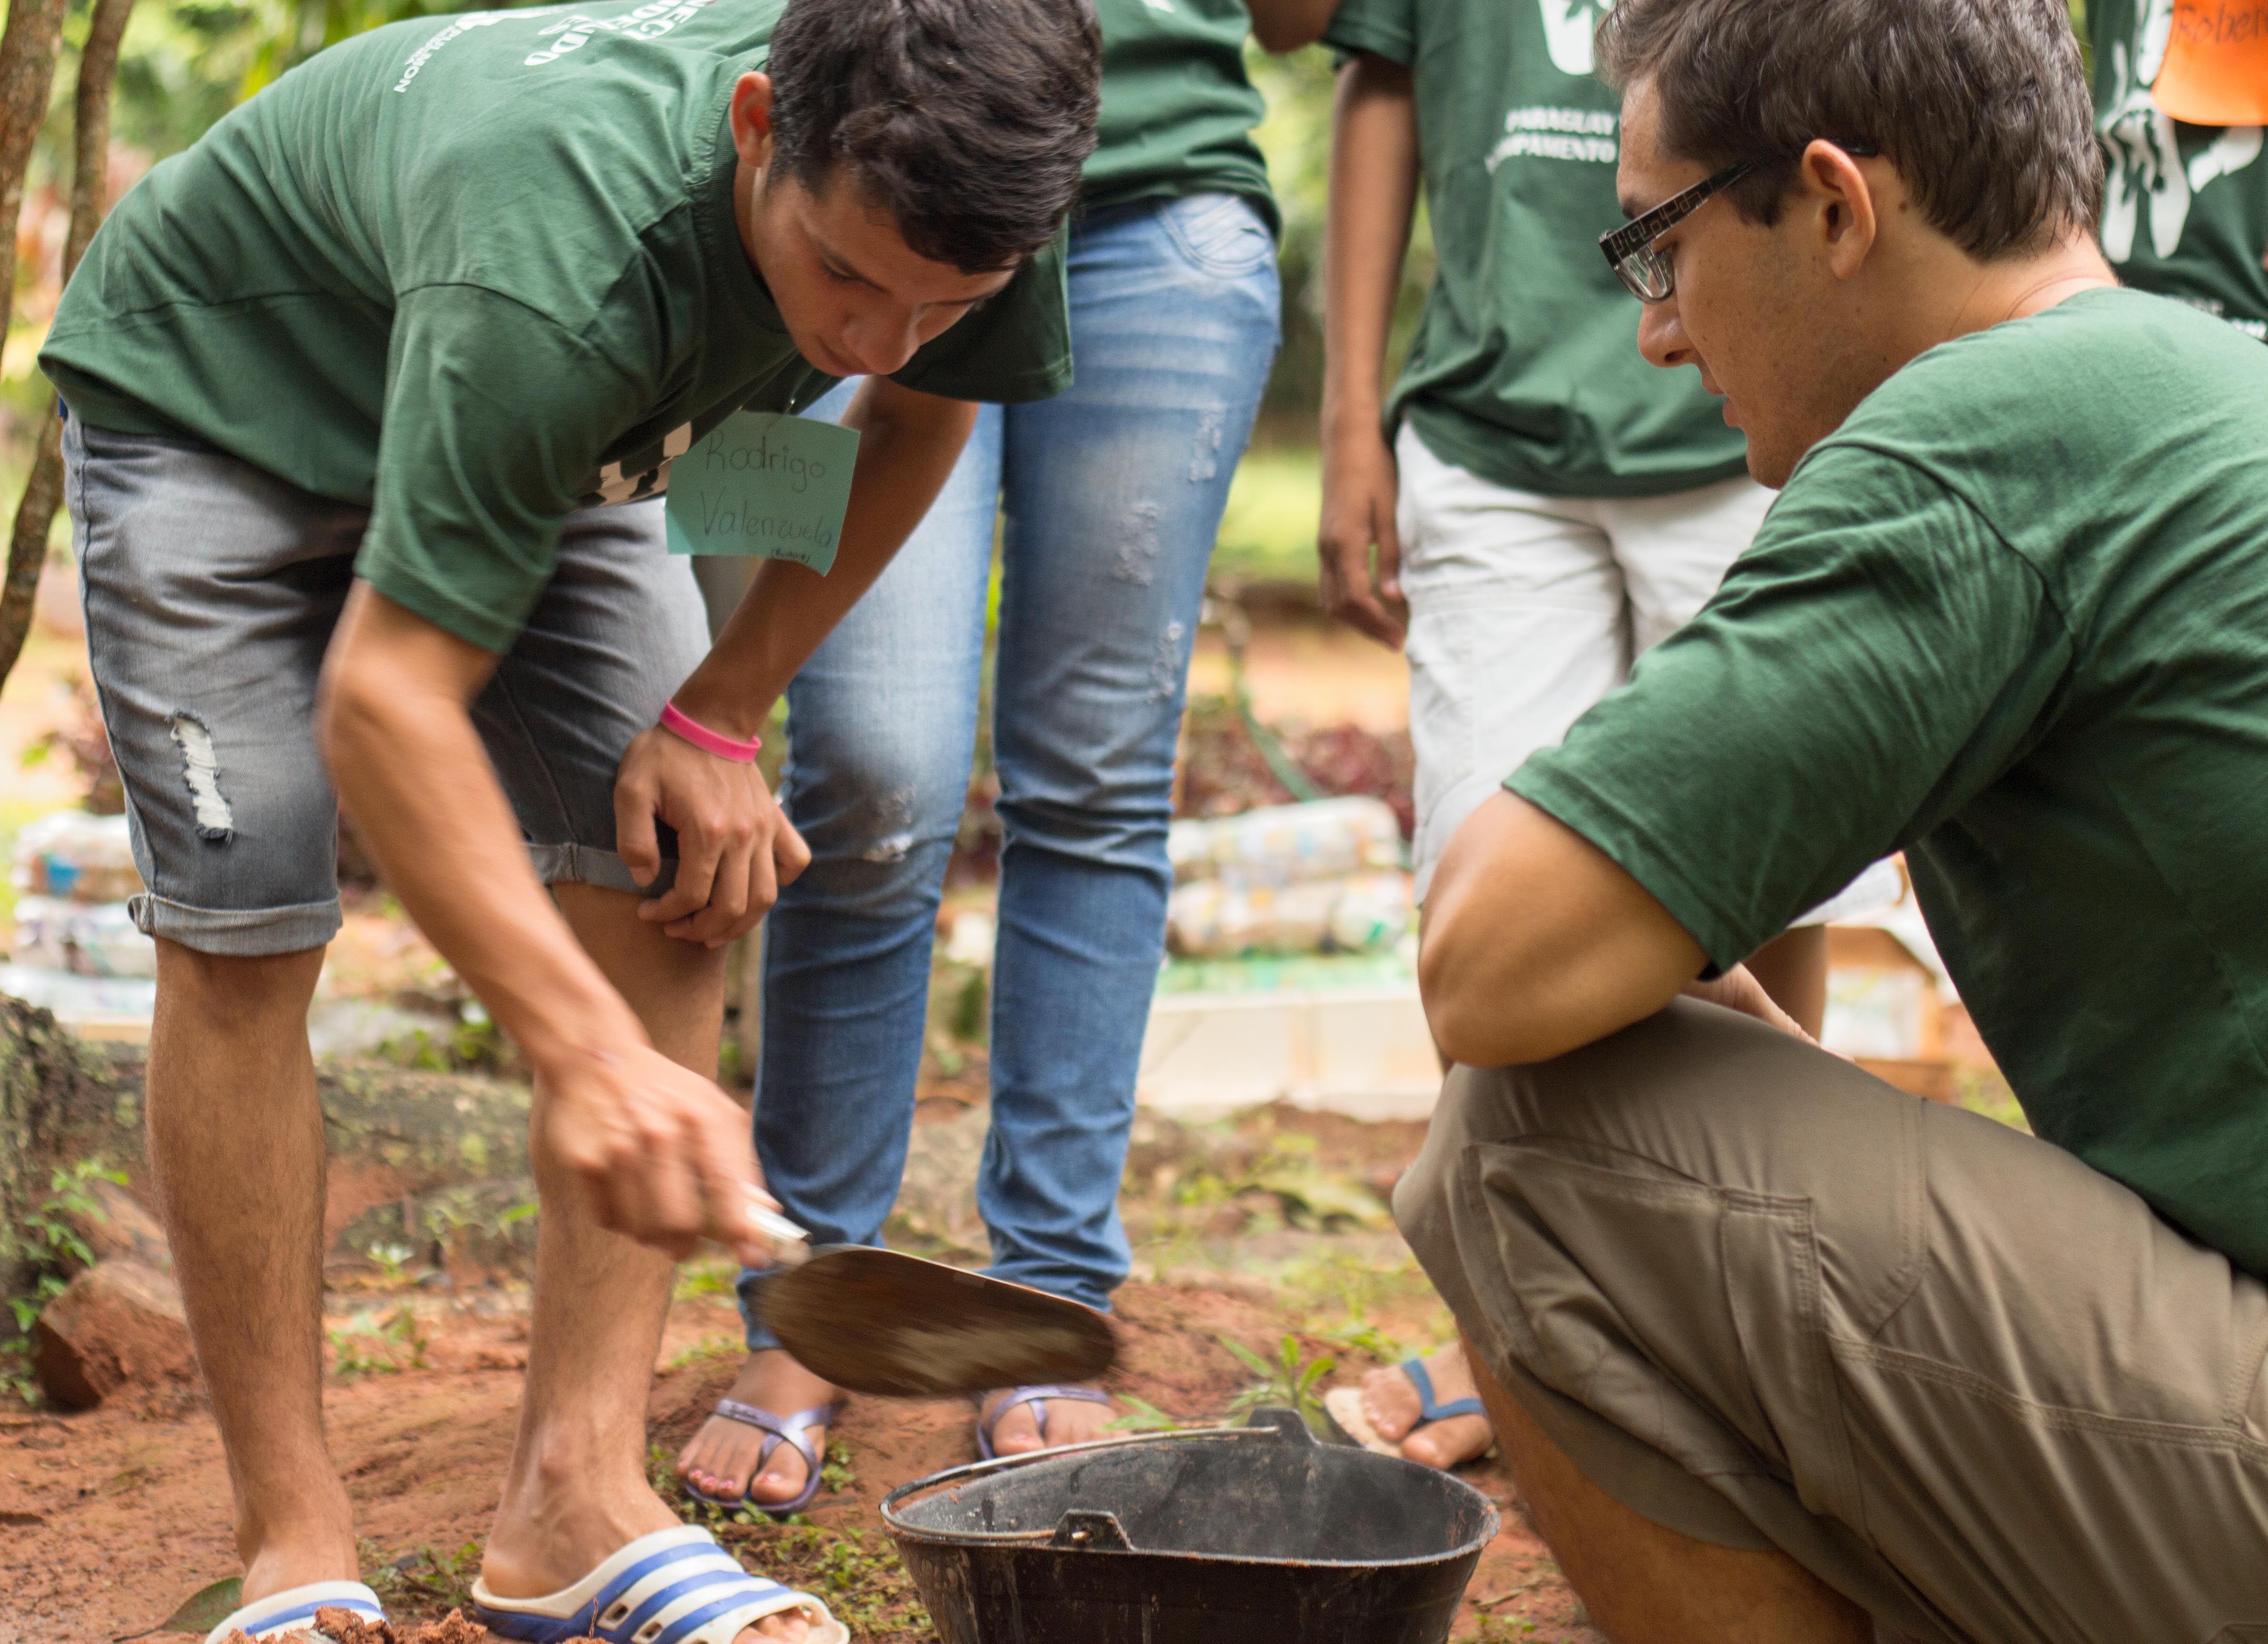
(967, 121)
(1982, 104)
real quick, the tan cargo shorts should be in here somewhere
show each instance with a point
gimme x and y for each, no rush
(1767, 1300)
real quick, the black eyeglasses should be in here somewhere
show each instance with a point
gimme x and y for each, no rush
(1648, 272)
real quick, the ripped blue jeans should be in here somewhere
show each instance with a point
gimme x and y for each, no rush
(1112, 494)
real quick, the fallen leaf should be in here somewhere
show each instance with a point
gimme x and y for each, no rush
(201, 1612)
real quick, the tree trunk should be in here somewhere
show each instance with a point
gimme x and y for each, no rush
(28, 543)
(27, 68)
(35, 514)
(98, 73)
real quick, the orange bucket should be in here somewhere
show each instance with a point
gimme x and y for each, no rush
(2216, 67)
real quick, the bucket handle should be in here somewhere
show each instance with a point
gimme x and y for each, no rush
(1288, 1424)
(1084, 1529)
(1269, 1420)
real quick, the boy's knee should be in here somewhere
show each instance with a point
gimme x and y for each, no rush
(236, 985)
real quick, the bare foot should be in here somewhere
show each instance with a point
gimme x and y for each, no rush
(1390, 1399)
(1070, 1422)
(321, 1552)
(717, 1460)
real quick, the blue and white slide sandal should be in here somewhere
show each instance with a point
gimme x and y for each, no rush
(281, 1615)
(673, 1586)
(1344, 1405)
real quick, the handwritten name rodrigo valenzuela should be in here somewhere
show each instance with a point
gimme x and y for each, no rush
(764, 484)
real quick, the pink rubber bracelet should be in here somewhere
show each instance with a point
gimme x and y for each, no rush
(679, 722)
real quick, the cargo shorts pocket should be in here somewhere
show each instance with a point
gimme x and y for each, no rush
(1688, 1314)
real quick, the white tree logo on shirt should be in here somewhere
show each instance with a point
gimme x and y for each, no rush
(2147, 175)
(1568, 28)
(649, 21)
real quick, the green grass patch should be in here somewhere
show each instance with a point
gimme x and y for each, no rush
(709, 1350)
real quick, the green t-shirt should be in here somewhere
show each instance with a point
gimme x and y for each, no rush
(2011, 618)
(475, 272)
(2185, 212)
(1525, 368)
(1177, 110)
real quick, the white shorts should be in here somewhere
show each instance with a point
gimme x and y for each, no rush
(1526, 609)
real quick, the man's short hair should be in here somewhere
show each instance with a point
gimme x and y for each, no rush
(966, 120)
(1982, 104)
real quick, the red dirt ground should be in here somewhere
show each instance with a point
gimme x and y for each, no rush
(109, 1519)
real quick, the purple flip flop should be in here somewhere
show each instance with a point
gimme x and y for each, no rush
(794, 1430)
(1034, 1396)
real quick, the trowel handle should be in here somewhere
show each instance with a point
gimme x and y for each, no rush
(791, 1243)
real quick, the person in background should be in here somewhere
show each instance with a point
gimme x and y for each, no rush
(1108, 500)
(1548, 506)
(2179, 103)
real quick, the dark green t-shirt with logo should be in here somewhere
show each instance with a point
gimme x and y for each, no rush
(2186, 207)
(1525, 368)
(2011, 618)
(475, 272)
(1177, 109)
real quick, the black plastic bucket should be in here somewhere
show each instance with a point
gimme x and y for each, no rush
(1251, 1535)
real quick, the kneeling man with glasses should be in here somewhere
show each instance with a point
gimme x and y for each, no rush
(1775, 1351)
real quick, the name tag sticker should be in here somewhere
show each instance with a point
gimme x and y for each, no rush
(777, 486)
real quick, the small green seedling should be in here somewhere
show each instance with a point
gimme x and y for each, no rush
(46, 1242)
(834, 1473)
(1142, 1416)
(364, 1348)
(393, 1264)
(1290, 1382)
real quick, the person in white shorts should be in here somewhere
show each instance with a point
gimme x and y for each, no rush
(1550, 507)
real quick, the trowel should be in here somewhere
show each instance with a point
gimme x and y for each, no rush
(879, 1321)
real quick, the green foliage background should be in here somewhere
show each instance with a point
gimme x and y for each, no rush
(1296, 138)
(185, 64)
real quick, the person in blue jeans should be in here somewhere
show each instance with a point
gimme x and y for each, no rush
(1112, 494)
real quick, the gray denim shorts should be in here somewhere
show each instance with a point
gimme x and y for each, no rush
(211, 588)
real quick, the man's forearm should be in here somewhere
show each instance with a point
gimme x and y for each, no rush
(1374, 189)
(907, 444)
(411, 769)
(661, 1154)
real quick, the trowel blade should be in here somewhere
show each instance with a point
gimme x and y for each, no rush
(878, 1321)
